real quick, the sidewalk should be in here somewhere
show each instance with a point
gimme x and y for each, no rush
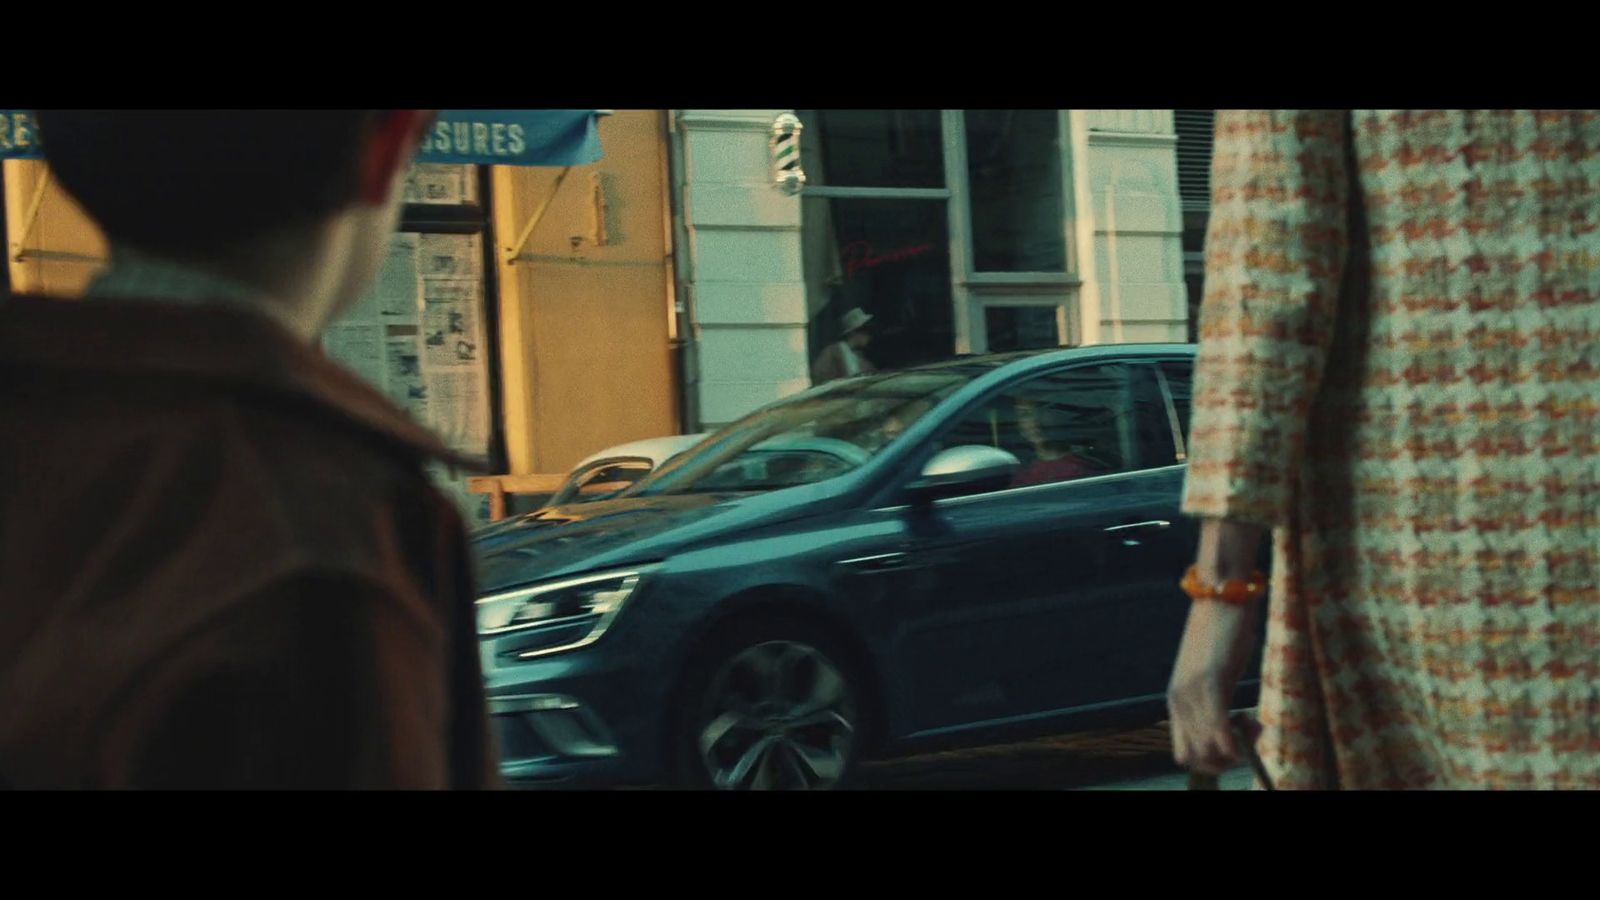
(1238, 779)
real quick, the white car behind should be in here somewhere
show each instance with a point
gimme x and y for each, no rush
(614, 469)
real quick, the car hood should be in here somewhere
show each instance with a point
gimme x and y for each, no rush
(563, 540)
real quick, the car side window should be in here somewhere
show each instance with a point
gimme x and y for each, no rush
(1179, 375)
(1078, 423)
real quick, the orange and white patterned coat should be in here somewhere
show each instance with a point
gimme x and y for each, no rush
(1400, 374)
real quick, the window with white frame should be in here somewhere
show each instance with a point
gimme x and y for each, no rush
(951, 228)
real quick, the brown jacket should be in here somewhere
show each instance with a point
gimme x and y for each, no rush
(221, 564)
(830, 364)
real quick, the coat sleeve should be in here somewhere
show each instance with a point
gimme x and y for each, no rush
(1275, 254)
(320, 681)
(827, 366)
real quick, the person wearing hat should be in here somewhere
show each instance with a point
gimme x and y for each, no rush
(223, 565)
(843, 358)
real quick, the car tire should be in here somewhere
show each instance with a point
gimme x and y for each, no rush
(770, 706)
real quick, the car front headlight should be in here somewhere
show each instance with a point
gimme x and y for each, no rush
(580, 609)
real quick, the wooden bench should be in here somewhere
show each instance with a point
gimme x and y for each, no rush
(498, 486)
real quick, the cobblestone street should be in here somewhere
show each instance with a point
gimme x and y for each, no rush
(1110, 760)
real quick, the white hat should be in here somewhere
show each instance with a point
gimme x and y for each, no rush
(854, 320)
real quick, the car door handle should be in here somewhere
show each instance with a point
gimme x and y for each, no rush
(1129, 532)
(882, 562)
(1152, 523)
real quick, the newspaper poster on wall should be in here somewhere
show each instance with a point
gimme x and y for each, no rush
(359, 338)
(442, 184)
(404, 380)
(396, 294)
(452, 483)
(450, 256)
(419, 336)
(452, 332)
(454, 358)
(359, 345)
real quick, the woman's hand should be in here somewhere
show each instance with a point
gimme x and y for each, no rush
(1216, 647)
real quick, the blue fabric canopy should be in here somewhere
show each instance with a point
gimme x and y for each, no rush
(513, 137)
(503, 137)
(19, 137)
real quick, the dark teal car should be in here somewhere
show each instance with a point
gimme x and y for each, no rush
(962, 553)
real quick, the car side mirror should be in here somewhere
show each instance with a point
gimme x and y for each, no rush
(959, 471)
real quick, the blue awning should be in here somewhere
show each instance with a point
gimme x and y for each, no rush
(503, 137)
(19, 137)
(513, 137)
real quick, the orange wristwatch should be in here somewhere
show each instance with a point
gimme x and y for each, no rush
(1234, 591)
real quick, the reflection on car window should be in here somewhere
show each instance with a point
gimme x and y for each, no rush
(612, 478)
(601, 479)
(811, 437)
(1084, 422)
(1180, 381)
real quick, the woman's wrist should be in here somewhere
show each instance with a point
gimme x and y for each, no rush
(1228, 550)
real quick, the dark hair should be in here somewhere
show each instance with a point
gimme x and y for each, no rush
(191, 180)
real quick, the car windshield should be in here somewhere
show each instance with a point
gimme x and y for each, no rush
(600, 479)
(811, 437)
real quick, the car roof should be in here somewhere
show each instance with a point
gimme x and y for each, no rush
(985, 369)
(981, 371)
(1030, 359)
(656, 449)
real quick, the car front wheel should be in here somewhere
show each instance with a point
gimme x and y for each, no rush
(772, 711)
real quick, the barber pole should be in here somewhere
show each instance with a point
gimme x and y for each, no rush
(786, 171)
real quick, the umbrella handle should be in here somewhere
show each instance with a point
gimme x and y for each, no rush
(1245, 731)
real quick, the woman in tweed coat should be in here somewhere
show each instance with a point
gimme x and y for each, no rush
(1399, 377)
